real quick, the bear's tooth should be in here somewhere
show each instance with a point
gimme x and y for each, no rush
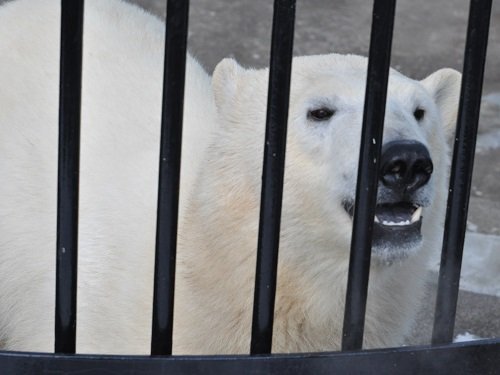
(377, 219)
(416, 215)
(396, 224)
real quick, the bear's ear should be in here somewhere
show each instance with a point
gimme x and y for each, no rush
(444, 86)
(225, 82)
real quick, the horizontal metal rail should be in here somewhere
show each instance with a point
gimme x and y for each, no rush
(461, 171)
(462, 358)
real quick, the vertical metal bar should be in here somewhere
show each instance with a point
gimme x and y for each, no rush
(461, 171)
(366, 191)
(272, 176)
(169, 175)
(68, 174)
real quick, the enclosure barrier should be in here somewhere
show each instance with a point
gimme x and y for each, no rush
(68, 174)
(170, 162)
(442, 357)
(379, 59)
(461, 170)
(272, 176)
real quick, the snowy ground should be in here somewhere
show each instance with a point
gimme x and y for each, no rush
(466, 337)
(479, 297)
(481, 264)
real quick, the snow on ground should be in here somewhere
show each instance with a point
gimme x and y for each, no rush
(481, 259)
(480, 264)
(488, 141)
(466, 337)
(489, 125)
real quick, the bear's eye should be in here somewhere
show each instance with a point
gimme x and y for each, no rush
(419, 114)
(320, 114)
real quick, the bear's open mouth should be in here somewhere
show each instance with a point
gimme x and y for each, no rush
(393, 215)
(397, 228)
(398, 215)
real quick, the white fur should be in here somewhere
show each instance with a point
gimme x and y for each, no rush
(321, 170)
(220, 188)
(121, 114)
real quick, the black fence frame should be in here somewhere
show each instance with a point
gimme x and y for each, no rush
(441, 357)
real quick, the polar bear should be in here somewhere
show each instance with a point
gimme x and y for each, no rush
(324, 127)
(120, 130)
(220, 191)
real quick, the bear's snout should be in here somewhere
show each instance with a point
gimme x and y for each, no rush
(405, 166)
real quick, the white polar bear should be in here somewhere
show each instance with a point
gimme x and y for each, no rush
(121, 115)
(324, 127)
(220, 189)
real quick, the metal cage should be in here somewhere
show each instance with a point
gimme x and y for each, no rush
(441, 357)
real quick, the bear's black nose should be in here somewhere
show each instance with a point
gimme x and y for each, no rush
(406, 166)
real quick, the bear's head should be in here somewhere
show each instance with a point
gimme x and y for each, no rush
(324, 129)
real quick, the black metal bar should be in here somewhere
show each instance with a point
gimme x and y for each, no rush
(480, 357)
(461, 171)
(366, 191)
(272, 176)
(68, 174)
(169, 175)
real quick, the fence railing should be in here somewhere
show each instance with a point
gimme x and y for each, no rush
(461, 170)
(442, 357)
